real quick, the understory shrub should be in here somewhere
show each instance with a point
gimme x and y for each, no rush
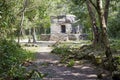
(61, 50)
(115, 44)
(70, 54)
(11, 58)
(67, 52)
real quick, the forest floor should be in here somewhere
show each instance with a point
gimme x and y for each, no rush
(49, 64)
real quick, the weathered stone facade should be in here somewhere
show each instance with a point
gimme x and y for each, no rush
(65, 27)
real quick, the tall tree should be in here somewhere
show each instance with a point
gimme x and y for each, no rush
(101, 8)
(103, 16)
(94, 23)
(22, 12)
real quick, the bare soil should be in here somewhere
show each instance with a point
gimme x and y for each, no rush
(49, 64)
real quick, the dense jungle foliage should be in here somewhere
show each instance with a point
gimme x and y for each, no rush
(28, 19)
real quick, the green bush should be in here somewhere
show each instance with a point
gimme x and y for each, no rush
(114, 26)
(67, 52)
(115, 44)
(11, 58)
(61, 50)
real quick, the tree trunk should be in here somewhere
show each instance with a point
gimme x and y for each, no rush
(20, 28)
(94, 24)
(29, 37)
(33, 34)
(103, 16)
(105, 42)
(104, 37)
(22, 19)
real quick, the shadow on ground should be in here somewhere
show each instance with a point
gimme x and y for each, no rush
(49, 64)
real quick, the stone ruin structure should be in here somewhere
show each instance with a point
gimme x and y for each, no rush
(65, 27)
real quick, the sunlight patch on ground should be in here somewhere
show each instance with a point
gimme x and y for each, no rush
(92, 75)
(85, 67)
(53, 79)
(76, 74)
(39, 49)
(45, 49)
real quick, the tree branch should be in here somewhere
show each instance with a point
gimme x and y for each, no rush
(96, 8)
(24, 7)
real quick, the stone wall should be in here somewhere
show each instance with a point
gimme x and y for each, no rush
(45, 37)
(56, 28)
(72, 37)
(62, 37)
(56, 37)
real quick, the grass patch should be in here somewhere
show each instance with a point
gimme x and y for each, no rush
(71, 63)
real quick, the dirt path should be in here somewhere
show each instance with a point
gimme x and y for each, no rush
(49, 64)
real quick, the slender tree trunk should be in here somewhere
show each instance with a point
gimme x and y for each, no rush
(23, 32)
(22, 19)
(94, 24)
(29, 37)
(20, 28)
(34, 34)
(106, 10)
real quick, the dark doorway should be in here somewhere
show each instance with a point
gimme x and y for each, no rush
(63, 28)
